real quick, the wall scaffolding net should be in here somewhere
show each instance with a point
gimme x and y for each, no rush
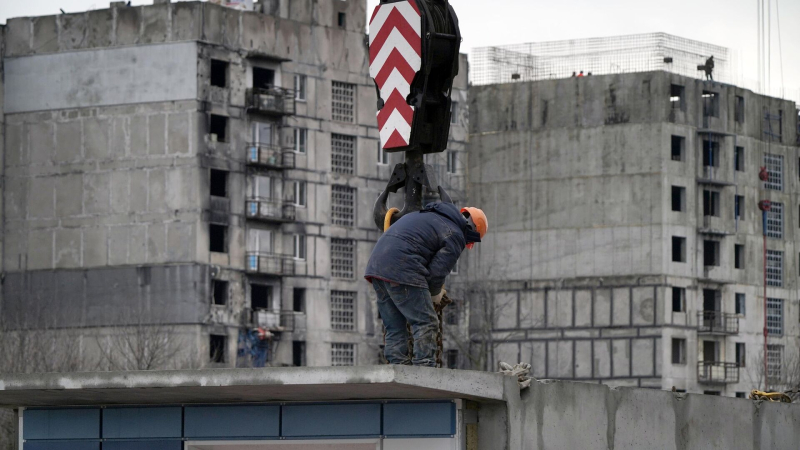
(608, 55)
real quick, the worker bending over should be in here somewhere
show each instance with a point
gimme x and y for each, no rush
(407, 268)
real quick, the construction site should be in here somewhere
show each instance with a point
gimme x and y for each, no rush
(198, 203)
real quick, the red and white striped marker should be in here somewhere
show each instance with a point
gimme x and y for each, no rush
(395, 57)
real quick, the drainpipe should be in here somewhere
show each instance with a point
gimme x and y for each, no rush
(764, 206)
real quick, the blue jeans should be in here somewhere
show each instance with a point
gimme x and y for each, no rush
(399, 304)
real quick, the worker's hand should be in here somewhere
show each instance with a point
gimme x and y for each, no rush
(438, 297)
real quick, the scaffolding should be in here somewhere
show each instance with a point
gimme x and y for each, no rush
(598, 56)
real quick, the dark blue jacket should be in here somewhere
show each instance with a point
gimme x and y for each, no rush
(421, 248)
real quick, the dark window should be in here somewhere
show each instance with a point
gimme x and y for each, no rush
(678, 249)
(217, 238)
(217, 344)
(712, 393)
(710, 153)
(219, 183)
(740, 303)
(710, 253)
(678, 198)
(678, 144)
(676, 97)
(712, 299)
(219, 73)
(678, 299)
(738, 111)
(738, 159)
(738, 207)
(710, 104)
(451, 315)
(710, 203)
(452, 359)
(740, 395)
(298, 353)
(220, 293)
(738, 256)
(299, 300)
(263, 78)
(218, 125)
(260, 296)
(740, 354)
(341, 20)
(678, 351)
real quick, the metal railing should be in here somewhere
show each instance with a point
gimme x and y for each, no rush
(270, 209)
(277, 320)
(269, 263)
(270, 155)
(273, 100)
(717, 372)
(717, 322)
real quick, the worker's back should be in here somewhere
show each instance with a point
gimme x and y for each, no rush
(404, 253)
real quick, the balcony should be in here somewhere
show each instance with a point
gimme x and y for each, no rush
(270, 210)
(716, 322)
(279, 321)
(715, 225)
(713, 176)
(271, 101)
(717, 372)
(269, 263)
(270, 156)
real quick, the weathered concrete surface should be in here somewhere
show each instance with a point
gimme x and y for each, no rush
(250, 385)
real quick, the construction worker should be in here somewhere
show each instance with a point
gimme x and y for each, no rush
(709, 68)
(407, 269)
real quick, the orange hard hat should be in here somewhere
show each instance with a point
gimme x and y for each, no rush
(479, 218)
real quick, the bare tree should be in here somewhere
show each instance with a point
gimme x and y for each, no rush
(782, 377)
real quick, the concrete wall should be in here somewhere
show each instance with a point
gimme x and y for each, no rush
(560, 415)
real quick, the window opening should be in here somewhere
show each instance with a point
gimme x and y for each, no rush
(451, 161)
(298, 353)
(678, 249)
(740, 303)
(738, 112)
(710, 253)
(383, 156)
(710, 203)
(217, 345)
(676, 97)
(678, 299)
(263, 78)
(217, 238)
(299, 247)
(710, 104)
(260, 296)
(300, 87)
(678, 144)
(678, 351)
(299, 300)
(341, 20)
(710, 153)
(220, 292)
(454, 112)
(300, 140)
(218, 126)
(738, 159)
(300, 193)
(219, 183)
(738, 207)
(219, 73)
(452, 359)
(678, 198)
(741, 357)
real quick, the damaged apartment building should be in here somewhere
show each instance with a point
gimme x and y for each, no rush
(199, 172)
(637, 200)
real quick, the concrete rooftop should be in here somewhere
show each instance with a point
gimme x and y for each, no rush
(251, 385)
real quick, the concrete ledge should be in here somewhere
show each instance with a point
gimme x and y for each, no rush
(251, 385)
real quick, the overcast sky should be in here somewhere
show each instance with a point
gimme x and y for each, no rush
(730, 23)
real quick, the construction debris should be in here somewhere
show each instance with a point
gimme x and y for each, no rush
(520, 370)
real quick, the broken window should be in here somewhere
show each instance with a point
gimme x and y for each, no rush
(219, 183)
(774, 165)
(218, 128)
(710, 203)
(260, 296)
(298, 353)
(678, 299)
(738, 159)
(676, 97)
(774, 268)
(219, 294)
(300, 88)
(343, 310)
(299, 300)
(738, 207)
(343, 205)
(678, 144)
(775, 221)
(710, 104)
(343, 104)
(263, 78)
(678, 249)
(343, 354)
(678, 198)
(738, 256)
(710, 153)
(342, 258)
(710, 253)
(678, 351)
(343, 150)
(219, 73)
(217, 345)
(217, 238)
(738, 109)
